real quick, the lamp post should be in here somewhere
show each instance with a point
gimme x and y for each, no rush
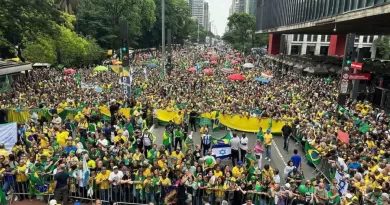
(163, 34)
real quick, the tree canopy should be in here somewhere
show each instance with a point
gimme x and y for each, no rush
(241, 32)
(84, 29)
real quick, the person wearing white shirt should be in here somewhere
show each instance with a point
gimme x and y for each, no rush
(78, 174)
(125, 133)
(234, 145)
(115, 178)
(243, 146)
(103, 141)
(56, 121)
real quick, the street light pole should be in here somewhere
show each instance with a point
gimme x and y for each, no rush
(163, 33)
(198, 32)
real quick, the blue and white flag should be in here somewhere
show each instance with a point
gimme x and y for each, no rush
(85, 171)
(342, 185)
(221, 151)
(197, 68)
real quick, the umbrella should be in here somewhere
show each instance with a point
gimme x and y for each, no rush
(208, 71)
(69, 71)
(213, 58)
(248, 65)
(228, 57)
(239, 59)
(236, 77)
(228, 70)
(193, 69)
(206, 56)
(266, 75)
(234, 62)
(151, 65)
(214, 62)
(101, 68)
(262, 80)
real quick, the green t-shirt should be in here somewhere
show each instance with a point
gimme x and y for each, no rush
(336, 200)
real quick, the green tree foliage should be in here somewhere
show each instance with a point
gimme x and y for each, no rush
(75, 50)
(383, 45)
(241, 31)
(23, 21)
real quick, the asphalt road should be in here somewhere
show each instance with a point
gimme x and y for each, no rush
(279, 156)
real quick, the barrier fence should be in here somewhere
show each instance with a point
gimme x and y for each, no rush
(123, 192)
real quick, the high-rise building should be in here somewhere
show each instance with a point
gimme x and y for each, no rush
(206, 23)
(238, 6)
(198, 10)
(250, 7)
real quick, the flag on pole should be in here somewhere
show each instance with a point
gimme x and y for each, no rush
(197, 68)
(216, 122)
(183, 65)
(85, 171)
(146, 74)
(78, 78)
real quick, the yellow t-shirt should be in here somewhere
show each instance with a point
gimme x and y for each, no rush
(218, 174)
(62, 137)
(165, 182)
(102, 179)
(268, 139)
(179, 156)
(20, 173)
(237, 171)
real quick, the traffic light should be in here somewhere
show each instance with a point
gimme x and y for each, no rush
(348, 58)
(124, 46)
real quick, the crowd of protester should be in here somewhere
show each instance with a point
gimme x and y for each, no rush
(126, 165)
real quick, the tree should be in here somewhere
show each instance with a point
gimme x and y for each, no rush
(241, 28)
(383, 45)
(22, 21)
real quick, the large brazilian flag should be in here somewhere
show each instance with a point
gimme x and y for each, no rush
(312, 154)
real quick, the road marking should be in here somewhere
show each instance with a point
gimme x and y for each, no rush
(280, 154)
(151, 129)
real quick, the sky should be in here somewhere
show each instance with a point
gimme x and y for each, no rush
(219, 12)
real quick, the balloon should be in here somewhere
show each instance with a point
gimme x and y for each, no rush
(302, 189)
(209, 161)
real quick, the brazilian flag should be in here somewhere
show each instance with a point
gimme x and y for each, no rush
(216, 123)
(166, 138)
(313, 156)
(3, 200)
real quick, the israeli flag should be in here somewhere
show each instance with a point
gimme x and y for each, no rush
(197, 68)
(146, 74)
(85, 171)
(221, 151)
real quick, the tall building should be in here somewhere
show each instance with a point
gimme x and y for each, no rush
(198, 10)
(206, 23)
(250, 7)
(238, 6)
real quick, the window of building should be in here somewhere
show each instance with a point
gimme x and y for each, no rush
(323, 37)
(295, 37)
(324, 50)
(301, 37)
(327, 38)
(309, 38)
(371, 39)
(357, 39)
(315, 38)
(365, 39)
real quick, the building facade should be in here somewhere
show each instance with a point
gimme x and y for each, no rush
(198, 10)
(206, 23)
(250, 7)
(304, 44)
(238, 6)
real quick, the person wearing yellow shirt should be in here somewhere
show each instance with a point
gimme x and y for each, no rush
(218, 172)
(238, 170)
(178, 119)
(103, 182)
(62, 135)
(164, 182)
(178, 155)
(87, 112)
(268, 143)
(21, 178)
(137, 155)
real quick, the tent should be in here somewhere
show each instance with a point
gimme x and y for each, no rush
(248, 65)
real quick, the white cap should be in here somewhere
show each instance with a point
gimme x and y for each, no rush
(349, 195)
(53, 202)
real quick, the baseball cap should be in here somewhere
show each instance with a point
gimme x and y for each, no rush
(115, 167)
(239, 163)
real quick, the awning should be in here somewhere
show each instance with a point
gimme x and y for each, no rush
(9, 68)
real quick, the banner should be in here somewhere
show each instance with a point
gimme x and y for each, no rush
(312, 154)
(9, 135)
(342, 185)
(221, 146)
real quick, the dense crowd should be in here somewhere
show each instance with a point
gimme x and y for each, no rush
(125, 163)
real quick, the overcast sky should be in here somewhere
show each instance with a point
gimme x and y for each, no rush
(219, 12)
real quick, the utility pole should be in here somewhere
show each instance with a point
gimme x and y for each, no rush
(163, 34)
(198, 32)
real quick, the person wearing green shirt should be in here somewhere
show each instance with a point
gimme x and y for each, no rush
(152, 154)
(260, 135)
(334, 197)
